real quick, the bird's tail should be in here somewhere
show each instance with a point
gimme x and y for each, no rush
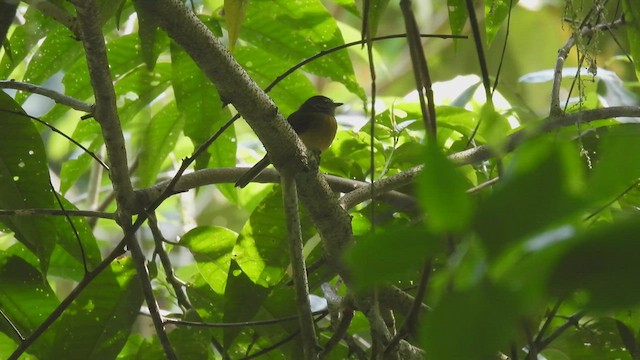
(253, 172)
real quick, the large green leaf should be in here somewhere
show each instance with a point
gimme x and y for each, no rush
(262, 244)
(96, 325)
(24, 180)
(211, 247)
(539, 189)
(25, 298)
(390, 255)
(602, 266)
(443, 193)
(158, 141)
(243, 299)
(472, 324)
(294, 31)
(619, 164)
(199, 101)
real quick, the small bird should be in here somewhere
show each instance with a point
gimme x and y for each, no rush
(315, 124)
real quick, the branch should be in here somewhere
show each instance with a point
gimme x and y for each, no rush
(298, 268)
(51, 94)
(105, 110)
(58, 212)
(554, 108)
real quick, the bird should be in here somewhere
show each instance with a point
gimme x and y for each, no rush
(315, 124)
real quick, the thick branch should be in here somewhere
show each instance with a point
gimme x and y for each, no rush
(235, 86)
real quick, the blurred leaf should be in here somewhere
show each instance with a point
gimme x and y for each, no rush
(26, 299)
(472, 324)
(443, 193)
(211, 246)
(24, 180)
(632, 16)
(619, 164)
(538, 190)
(389, 255)
(496, 11)
(24, 38)
(376, 10)
(100, 319)
(234, 12)
(601, 266)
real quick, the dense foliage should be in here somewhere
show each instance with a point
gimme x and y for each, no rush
(504, 221)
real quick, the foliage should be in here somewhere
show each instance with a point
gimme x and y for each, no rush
(512, 233)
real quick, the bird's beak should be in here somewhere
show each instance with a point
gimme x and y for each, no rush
(337, 104)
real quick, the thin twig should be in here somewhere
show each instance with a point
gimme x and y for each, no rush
(255, 323)
(58, 212)
(54, 129)
(298, 267)
(72, 225)
(178, 286)
(420, 70)
(12, 325)
(51, 94)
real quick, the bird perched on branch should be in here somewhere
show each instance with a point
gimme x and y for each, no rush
(315, 124)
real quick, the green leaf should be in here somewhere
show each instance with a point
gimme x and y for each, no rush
(376, 10)
(619, 165)
(147, 31)
(632, 18)
(234, 12)
(100, 319)
(472, 324)
(496, 11)
(243, 299)
(24, 180)
(602, 267)
(200, 104)
(25, 298)
(443, 193)
(457, 15)
(389, 255)
(292, 32)
(262, 244)
(158, 141)
(211, 246)
(538, 190)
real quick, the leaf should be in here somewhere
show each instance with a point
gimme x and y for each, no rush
(538, 190)
(200, 104)
(601, 266)
(293, 31)
(25, 298)
(457, 15)
(443, 193)
(158, 141)
(472, 324)
(24, 180)
(390, 255)
(619, 165)
(147, 31)
(262, 245)
(211, 246)
(376, 10)
(632, 17)
(96, 325)
(496, 11)
(234, 12)
(243, 299)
